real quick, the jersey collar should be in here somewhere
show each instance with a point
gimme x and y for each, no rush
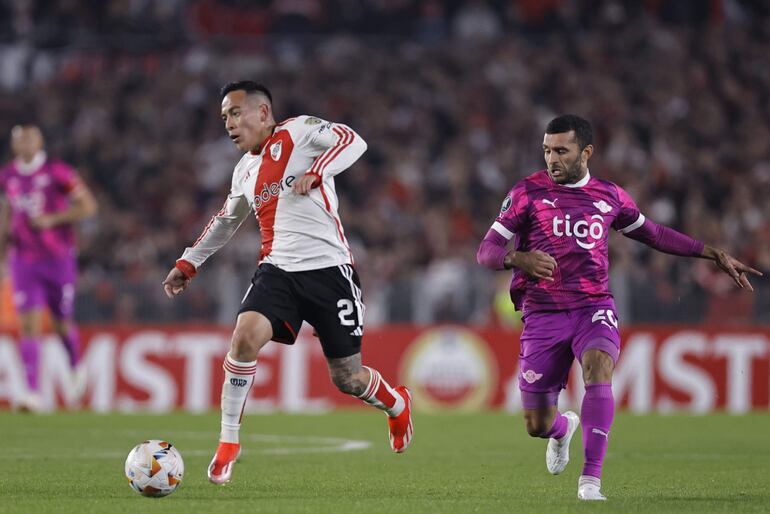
(582, 182)
(28, 168)
(265, 142)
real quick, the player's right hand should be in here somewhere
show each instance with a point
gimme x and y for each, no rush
(305, 183)
(536, 264)
(175, 283)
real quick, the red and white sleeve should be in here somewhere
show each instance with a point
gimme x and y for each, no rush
(217, 232)
(340, 147)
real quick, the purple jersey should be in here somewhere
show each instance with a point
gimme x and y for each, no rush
(571, 223)
(42, 190)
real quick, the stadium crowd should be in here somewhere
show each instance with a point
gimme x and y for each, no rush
(452, 97)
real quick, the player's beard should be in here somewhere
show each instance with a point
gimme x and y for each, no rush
(571, 174)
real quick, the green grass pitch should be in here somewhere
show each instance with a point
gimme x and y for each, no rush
(341, 462)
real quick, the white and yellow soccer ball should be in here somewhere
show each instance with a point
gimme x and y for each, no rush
(154, 468)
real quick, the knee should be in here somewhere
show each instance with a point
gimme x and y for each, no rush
(245, 344)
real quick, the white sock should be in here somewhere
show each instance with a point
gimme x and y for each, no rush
(589, 480)
(379, 394)
(239, 376)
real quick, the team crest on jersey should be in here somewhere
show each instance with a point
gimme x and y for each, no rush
(275, 150)
(506, 204)
(312, 121)
(40, 181)
(603, 206)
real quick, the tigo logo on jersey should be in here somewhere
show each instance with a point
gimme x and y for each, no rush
(581, 230)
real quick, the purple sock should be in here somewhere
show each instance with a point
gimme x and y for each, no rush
(72, 344)
(596, 419)
(30, 354)
(559, 427)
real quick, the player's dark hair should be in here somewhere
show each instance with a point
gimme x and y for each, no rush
(249, 86)
(584, 134)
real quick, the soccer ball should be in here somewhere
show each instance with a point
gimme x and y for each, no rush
(154, 468)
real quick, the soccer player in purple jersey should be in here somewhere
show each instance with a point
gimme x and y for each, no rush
(559, 219)
(44, 198)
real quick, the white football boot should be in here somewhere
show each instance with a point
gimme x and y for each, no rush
(31, 402)
(589, 488)
(557, 451)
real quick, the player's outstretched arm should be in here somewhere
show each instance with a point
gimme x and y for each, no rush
(215, 235)
(666, 239)
(730, 265)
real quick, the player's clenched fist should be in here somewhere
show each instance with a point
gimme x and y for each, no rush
(535, 263)
(305, 183)
(175, 283)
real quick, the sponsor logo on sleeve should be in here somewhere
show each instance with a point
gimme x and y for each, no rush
(506, 204)
(312, 120)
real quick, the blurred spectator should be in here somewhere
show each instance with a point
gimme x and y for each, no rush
(452, 97)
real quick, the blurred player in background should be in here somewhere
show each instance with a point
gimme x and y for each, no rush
(44, 199)
(560, 219)
(305, 267)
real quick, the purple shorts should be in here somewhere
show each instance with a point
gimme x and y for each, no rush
(552, 339)
(46, 283)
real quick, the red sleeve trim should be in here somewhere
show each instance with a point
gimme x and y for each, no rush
(187, 269)
(317, 181)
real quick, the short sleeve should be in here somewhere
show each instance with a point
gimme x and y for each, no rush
(513, 213)
(629, 217)
(65, 178)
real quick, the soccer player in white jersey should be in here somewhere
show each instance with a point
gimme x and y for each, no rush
(305, 269)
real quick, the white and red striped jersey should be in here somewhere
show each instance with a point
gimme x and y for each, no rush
(299, 232)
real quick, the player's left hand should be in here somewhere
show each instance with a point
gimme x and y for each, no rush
(175, 283)
(43, 221)
(733, 267)
(305, 183)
